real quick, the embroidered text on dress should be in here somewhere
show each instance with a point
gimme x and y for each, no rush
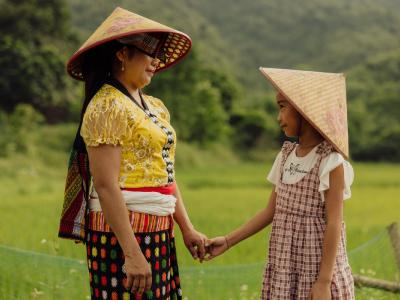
(295, 168)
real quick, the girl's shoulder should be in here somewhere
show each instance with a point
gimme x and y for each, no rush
(287, 147)
(330, 162)
(325, 149)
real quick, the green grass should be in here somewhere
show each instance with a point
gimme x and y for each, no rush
(218, 197)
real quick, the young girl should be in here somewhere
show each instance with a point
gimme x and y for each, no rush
(307, 249)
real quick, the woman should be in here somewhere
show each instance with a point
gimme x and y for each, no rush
(121, 176)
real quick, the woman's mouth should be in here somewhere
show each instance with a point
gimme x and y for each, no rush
(150, 71)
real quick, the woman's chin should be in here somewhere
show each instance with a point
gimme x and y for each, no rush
(145, 83)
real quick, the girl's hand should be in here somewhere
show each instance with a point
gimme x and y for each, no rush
(216, 246)
(195, 242)
(138, 273)
(321, 291)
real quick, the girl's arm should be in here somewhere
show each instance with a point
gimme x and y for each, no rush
(259, 221)
(193, 239)
(104, 162)
(334, 215)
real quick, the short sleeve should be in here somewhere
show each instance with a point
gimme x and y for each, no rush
(274, 173)
(329, 163)
(106, 121)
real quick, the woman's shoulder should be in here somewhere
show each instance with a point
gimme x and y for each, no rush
(154, 101)
(157, 106)
(108, 93)
(108, 98)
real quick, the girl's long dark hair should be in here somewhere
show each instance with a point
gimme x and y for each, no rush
(97, 68)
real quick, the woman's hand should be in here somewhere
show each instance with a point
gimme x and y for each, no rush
(138, 273)
(195, 242)
(321, 291)
(216, 246)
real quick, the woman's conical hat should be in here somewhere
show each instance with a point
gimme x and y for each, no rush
(172, 45)
(319, 97)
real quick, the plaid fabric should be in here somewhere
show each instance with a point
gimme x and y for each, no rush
(295, 246)
(74, 212)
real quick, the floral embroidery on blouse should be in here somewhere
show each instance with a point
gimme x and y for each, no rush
(147, 140)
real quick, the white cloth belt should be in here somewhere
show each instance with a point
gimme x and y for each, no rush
(144, 202)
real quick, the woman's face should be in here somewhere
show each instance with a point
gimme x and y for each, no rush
(288, 117)
(138, 68)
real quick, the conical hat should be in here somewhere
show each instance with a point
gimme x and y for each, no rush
(319, 97)
(122, 24)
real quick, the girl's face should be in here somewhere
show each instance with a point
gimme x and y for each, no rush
(138, 67)
(289, 119)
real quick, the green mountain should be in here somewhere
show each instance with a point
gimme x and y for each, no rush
(358, 37)
(240, 36)
(217, 94)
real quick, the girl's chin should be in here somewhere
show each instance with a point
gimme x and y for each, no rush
(289, 134)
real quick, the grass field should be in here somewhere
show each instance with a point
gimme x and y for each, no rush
(218, 197)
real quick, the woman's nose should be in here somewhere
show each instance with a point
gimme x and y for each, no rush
(155, 62)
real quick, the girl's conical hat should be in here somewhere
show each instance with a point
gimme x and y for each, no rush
(319, 97)
(170, 45)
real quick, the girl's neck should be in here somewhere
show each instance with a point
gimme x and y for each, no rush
(308, 139)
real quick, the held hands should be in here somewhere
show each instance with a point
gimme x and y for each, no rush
(203, 248)
(138, 273)
(320, 291)
(216, 247)
(195, 242)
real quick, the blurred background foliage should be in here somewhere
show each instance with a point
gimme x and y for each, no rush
(216, 96)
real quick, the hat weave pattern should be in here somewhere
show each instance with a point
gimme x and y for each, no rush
(319, 97)
(122, 23)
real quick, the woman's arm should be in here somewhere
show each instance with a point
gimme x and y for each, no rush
(104, 162)
(334, 215)
(193, 239)
(259, 221)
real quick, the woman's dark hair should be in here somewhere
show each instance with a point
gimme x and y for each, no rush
(97, 67)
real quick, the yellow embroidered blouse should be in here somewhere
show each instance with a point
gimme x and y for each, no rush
(146, 138)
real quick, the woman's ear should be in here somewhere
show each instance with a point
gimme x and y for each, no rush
(120, 54)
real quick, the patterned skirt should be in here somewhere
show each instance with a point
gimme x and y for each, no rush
(106, 259)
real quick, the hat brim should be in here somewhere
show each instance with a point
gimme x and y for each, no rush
(300, 111)
(74, 64)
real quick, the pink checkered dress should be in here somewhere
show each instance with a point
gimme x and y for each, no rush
(295, 246)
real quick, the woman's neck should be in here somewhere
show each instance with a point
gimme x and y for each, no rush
(132, 89)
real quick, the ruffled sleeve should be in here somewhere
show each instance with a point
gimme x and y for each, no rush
(329, 163)
(274, 173)
(107, 121)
